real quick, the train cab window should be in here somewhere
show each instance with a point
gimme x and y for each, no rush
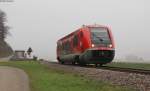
(100, 36)
(75, 40)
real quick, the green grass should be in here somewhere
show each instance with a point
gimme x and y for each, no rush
(130, 65)
(44, 79)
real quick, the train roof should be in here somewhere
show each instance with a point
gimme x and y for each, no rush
(68, 35)
(95, 25)
(83, 26)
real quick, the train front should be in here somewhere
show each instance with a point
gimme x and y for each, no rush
(102, 48)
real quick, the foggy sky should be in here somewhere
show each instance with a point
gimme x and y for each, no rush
(40, 23)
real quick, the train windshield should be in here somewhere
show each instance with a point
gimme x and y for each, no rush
(100, 36)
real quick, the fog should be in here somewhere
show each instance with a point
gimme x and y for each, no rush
(40, 23)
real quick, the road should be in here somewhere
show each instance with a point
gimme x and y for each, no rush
(5, 59)
(13, 79)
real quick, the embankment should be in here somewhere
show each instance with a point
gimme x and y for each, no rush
(5, 49)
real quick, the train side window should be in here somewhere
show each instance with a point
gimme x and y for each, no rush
(63, 46)
(75, 40)
(67, 45)
(57, 47)
(81, 34)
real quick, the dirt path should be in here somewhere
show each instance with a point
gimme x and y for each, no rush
(13, 79)
(5, 59)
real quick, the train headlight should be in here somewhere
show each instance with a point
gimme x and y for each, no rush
(93, 45)
(110, 45)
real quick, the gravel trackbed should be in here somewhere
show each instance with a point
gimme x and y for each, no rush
(139, 82)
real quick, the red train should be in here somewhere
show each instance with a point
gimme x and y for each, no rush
(91, 44)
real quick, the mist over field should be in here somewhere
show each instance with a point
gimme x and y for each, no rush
(40, 23)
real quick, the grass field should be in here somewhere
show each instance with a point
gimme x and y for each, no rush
(130, 65)
(44, 79)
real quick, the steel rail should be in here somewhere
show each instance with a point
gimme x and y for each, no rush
(129, 70)
(120, 69)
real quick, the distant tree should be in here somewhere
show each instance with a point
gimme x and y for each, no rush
(133, 58)
(3, 28)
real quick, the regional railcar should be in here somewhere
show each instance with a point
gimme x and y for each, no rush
(90, 44)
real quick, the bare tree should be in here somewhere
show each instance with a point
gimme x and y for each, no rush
(3, 27)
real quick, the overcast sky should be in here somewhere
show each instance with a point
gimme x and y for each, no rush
(40, 23)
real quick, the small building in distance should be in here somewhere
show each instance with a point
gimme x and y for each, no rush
(19, 55)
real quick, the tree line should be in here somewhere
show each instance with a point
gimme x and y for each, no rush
(3, 27)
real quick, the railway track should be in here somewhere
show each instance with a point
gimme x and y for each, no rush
(129, 70)
(120, 69)
(135, 78)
